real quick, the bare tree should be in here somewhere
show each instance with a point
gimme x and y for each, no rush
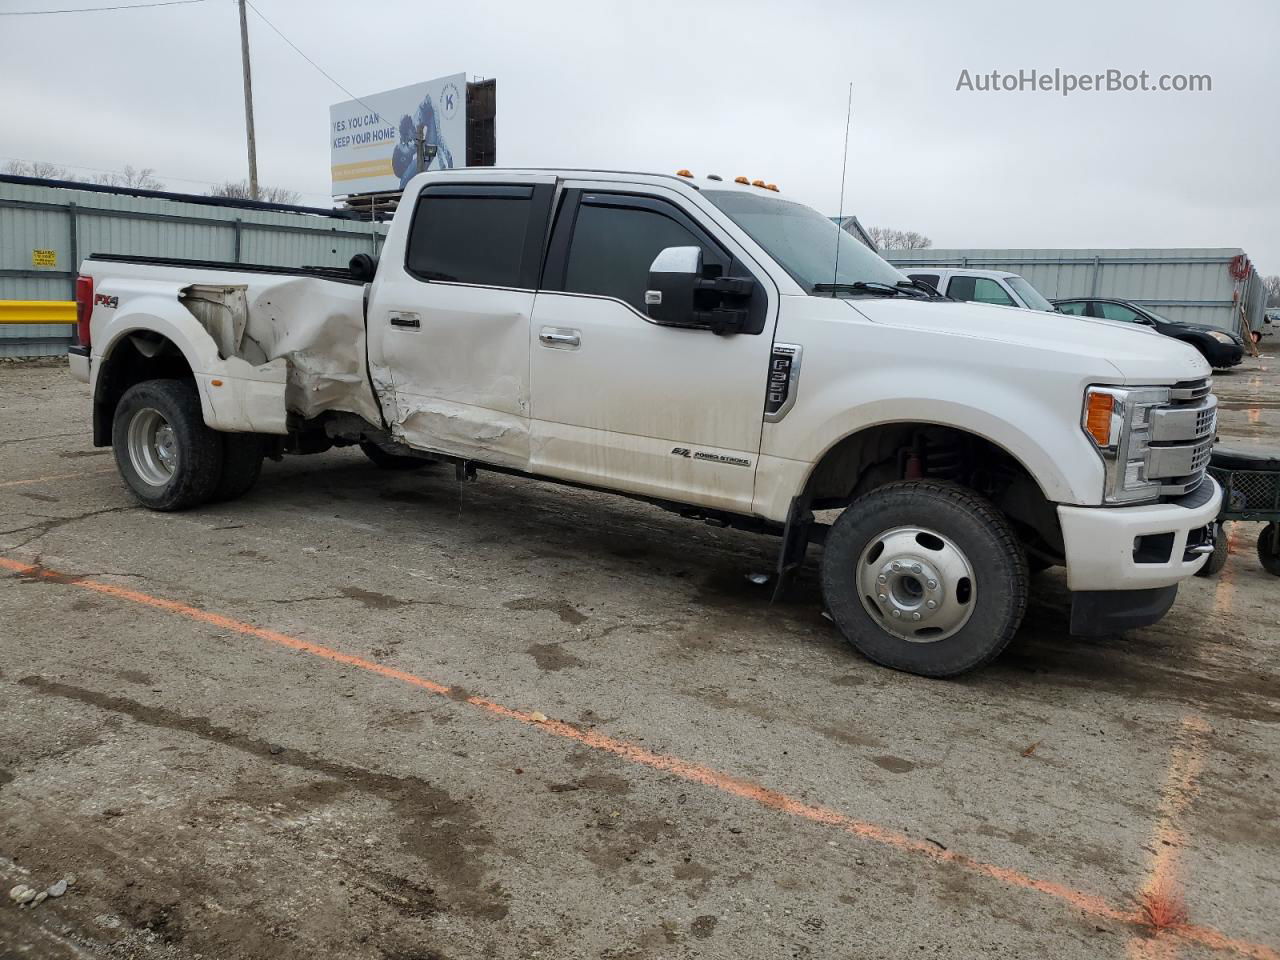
(1272, 285)
(38, 168)
(143, 179)
(239, 190)
(139, 179)
(887, 238)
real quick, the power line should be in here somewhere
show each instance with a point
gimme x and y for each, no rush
(326, 74)
(127, 6)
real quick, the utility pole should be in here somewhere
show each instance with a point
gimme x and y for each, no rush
(248, 105)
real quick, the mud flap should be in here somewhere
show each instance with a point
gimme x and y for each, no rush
(795, 544)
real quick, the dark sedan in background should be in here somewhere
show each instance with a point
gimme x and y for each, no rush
(1220, 347)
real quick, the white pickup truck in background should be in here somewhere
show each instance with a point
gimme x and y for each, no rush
(691, 343)
(1000, 288)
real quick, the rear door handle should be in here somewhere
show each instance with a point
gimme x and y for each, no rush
(405, 320)
(554, 337)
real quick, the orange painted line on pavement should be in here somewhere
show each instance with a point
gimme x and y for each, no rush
(692, 772)
(1161, 899)
(56, 476)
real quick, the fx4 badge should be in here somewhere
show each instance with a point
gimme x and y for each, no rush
(711, 457)
(102, 300)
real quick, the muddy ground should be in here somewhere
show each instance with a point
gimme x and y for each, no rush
(382, 715)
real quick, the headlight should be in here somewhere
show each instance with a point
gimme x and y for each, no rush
(1222, 337)
(1118, 421)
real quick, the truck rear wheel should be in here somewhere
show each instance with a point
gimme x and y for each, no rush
(925, 577)
(169, 459)
(242, 455)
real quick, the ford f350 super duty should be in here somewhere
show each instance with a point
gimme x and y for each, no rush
(712, 347)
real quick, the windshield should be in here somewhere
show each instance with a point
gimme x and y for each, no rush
(803, 241)
(1029, 294)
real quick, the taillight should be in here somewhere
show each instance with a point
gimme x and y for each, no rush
(84, 309)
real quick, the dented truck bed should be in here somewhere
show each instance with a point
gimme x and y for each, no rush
(275, 340)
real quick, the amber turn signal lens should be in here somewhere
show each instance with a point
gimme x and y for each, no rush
(1097, 417)
(683, 173)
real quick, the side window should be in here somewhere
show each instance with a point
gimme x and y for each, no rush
(986, 290)
(477, 235)
(1113, 311)
(930, 278)
(1075, 308)
(613, 247)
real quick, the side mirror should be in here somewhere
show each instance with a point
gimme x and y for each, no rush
(678, 295)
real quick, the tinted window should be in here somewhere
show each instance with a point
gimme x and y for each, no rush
(1113, 311)
(930, 278)
(1075, 308)
(979, 290)
(613, 248)
(470, 235)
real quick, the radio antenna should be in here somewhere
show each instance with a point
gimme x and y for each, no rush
(844, 166)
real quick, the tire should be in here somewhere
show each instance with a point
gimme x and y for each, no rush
(953, 534)
(1269, 549)
(242, 455)
(1218, 559)
(391, 461)
(167, 456)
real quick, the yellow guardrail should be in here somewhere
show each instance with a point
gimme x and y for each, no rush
(37, 311)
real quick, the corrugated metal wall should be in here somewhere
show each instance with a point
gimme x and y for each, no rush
(75, 223)
(1192, 285)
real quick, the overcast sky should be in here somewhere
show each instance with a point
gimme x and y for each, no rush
(739, 87)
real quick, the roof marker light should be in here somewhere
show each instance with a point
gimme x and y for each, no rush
(773, 187)
(757, 183)
(683, 173)
(742, 180)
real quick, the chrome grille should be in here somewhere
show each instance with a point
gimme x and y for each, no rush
(1181, 438)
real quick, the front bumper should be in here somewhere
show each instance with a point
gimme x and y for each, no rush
(1222, 355)
(1137, 548)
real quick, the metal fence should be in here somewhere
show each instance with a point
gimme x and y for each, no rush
(48, 227)
(1191, 285)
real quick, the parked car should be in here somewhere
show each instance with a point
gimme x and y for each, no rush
(692, 345)
(1221, 348)
(997, 287)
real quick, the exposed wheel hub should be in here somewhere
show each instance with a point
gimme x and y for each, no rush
(918, 584)
(153, 447)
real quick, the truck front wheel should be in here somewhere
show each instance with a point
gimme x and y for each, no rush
(169, 459)
(925, 577)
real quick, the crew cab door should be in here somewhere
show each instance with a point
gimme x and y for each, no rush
(620, 401)
(449, 313)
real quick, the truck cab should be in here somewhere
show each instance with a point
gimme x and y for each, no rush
(997, 287)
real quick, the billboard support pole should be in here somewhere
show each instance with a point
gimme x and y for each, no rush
(248, 105)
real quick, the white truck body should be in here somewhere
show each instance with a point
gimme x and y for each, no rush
(579, 385)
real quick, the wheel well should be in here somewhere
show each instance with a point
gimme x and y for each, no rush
(135, 358)
(894, 451)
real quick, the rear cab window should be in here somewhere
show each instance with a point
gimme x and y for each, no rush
(484, 234)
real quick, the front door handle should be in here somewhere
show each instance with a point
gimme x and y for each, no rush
(409, 320)
(559, 338)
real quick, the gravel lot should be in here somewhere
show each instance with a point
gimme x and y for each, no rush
(371, 715)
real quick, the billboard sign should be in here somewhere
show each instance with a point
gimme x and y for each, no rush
(373, 140)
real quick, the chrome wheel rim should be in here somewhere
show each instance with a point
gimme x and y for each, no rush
(917, 584)
(153, 447)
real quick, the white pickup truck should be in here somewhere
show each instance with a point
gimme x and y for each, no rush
(711, 347)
